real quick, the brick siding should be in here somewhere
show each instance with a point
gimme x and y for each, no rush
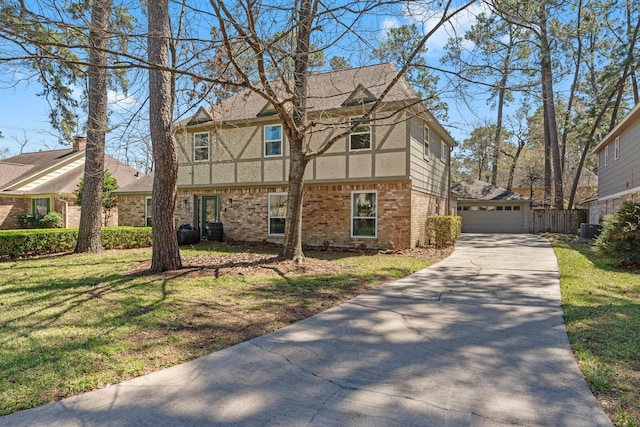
(326, 213)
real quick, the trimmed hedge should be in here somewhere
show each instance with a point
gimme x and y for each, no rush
(443, 230)
(22, 243)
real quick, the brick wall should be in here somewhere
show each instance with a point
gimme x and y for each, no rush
(131, 210)
(326, 213)
(10, 209)
(600, 208)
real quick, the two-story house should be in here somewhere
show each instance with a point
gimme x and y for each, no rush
(618, 167)
(374, 187)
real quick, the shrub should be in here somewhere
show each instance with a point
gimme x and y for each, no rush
(126, 237)
(443, 230)
(620, 236)
(50, 220)
(21, 243)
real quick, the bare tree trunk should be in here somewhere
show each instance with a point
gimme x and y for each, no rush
(292, 248)
(89, 237)
(498, 134)
(550, 111)
(574, 87)
(501, 98)
(514, 163)
(166, 253)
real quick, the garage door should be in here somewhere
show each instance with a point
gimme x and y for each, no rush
(492, 219)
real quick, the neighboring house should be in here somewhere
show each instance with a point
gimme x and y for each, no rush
(485, 208)
(533, 186)
(375, 187)
(42, 182)
(618, 167)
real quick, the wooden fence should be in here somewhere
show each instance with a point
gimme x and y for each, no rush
(555, 221)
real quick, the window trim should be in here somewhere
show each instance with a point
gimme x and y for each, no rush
(269, 217)
(616, 148)
(148, 221)
(426, 133)
(444, 149)
(201, 147)
(353, 218)
(606, 155)
(367, 123)
(266, 141)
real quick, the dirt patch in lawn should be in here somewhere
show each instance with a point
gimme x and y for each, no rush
(229, 315)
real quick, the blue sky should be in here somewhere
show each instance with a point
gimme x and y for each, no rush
(24, 114)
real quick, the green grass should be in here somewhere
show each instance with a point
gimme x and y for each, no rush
(602, 315)
(76, 322)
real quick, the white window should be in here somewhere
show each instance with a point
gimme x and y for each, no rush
(364, 214)
(201, 147)
(425, 142)
(606, 155)
(147, 211)
(444, 150)
(277, 213)
(273, 140)
(360, 137)
(616, 149)
(40, 207)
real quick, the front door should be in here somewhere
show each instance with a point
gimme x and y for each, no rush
(210, 212)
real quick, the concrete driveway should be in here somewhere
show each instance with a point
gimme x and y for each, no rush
(475, 340)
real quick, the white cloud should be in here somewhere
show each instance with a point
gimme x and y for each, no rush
(457, 26)
(389, 23)
(120, 100)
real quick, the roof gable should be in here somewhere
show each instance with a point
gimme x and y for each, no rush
(201, 116)
(361, 95)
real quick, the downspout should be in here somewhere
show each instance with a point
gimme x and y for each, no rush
(449, 181)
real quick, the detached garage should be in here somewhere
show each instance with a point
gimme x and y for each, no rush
(485, 208)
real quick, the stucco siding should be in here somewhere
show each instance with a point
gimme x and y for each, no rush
(331, 167)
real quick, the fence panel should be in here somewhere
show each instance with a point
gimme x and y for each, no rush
(555, 221)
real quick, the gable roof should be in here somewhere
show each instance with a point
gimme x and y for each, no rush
(628, 120)
(474, 189)
(54, 172)
(141, 185)
(325, 91)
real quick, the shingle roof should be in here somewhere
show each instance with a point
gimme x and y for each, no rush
(474, 189)
(141, 185)
(326, 91)
(54, 172)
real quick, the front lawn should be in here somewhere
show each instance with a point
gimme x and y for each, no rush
(76, 322)
(602, 315)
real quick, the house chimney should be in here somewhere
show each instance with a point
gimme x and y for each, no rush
(79, 143)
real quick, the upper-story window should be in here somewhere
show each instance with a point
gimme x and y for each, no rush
(273, 140)
(606, 155)
(616, 149)
(360, 137)
(425, 142)
(201, 147)
(444, 150)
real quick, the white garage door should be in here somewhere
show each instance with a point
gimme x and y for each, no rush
(492, 219)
